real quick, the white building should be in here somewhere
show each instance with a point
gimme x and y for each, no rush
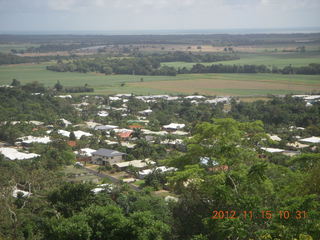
(310, 140)
(14, 154)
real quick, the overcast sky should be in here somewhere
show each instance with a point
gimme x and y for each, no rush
(120, 15)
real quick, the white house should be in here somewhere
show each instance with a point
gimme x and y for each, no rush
(32, 139)
(14, 154)
(174, 126)
(311, 140)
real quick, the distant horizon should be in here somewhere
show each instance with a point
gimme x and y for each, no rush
(235, 31)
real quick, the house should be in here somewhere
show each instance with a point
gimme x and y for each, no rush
(92, 124)
(172, 142)
(103, 187)
(140, 164)
(297, 145)
(195, 97)
(87, 152)
(163, 169)
(273, 150)
(72, 143)
(218, 100)
(134, 126)
(123, 95)
(17, 191)
(31, 139)
(106, 156)
(105, 127)
(14, 154)
(127, 144)
(282, 151)
(125, 134)
(174, 126)
(64, 96)
(274, 138)
(78, 133)
(312, 139)
(114, 98)
(65, 122)
(180, 133)
(149, 132)
(111, 142)
(103, 114)
(145, 112)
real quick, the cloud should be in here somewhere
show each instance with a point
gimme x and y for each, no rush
(62, 4)
(157, 14)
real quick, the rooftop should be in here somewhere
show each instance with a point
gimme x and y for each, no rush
(107, 152)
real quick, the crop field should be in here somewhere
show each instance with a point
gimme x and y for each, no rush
(220, 49)
(238, 84)
(211, 84)
(270, 59)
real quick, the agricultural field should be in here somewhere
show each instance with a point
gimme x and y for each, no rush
(210, 84)
(237, 84)
(220, 49)
(279, 59)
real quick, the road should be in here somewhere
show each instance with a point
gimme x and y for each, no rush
(112, 179)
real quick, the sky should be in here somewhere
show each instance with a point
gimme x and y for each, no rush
(133, 15)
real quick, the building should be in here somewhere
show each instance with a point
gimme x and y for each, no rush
(140, 164)
(174, 126)
(106, 157)
(313, 140)
(14, 154)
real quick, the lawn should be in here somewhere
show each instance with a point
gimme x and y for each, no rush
(79, 174)
(211, 84)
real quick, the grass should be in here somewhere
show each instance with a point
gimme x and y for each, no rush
(139, 183)
(279, 59)
(71, 172)
(211, 84)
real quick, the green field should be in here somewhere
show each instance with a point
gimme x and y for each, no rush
(211, 84)
(270, 59)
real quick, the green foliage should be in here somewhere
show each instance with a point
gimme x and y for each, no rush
(75, 227)
(71, 198)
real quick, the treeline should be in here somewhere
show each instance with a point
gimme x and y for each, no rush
(151, 66)
(192, 39)
(179, 56)
(311, 69)
(78, 89)
(52, 48)
(14, 59)
(140, 66)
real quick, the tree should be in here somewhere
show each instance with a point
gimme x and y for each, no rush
(15, 83)
(58, 86)
(75, 227)
(71, 197)
(72, 136)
